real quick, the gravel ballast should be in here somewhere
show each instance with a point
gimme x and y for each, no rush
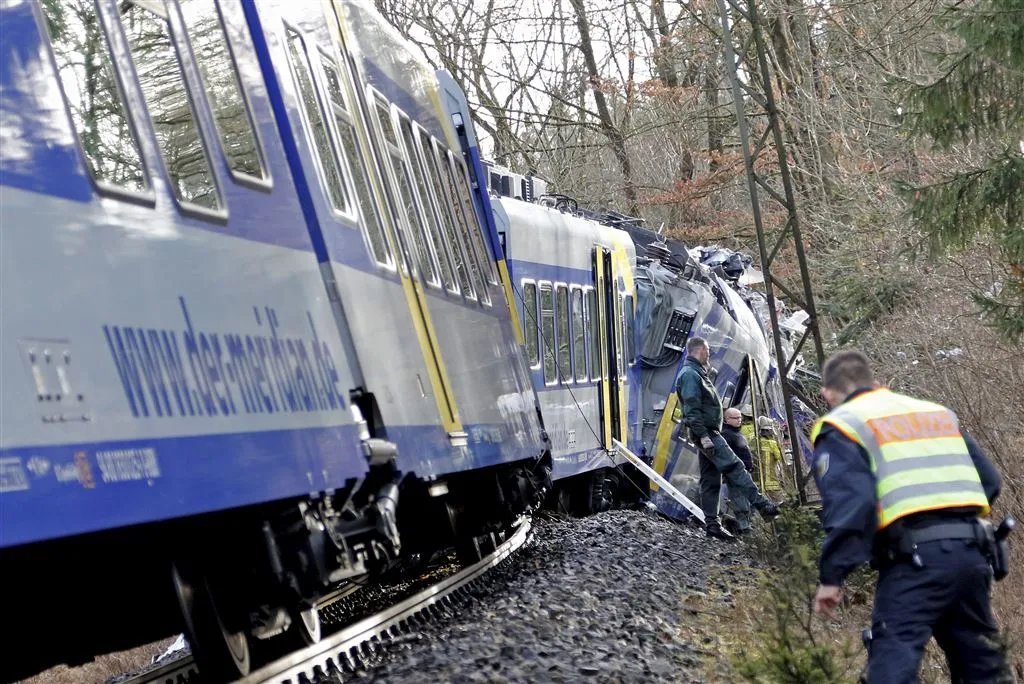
(604, 598)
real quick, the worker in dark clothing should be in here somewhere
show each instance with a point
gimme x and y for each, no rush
(904, 487)
(702, 414)
(735, 439)
(738, 443)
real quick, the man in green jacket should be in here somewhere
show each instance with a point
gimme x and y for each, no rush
(702, 415)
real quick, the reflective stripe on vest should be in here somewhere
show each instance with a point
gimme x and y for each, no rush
(918, 456)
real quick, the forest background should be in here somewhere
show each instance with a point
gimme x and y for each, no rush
(904, 126)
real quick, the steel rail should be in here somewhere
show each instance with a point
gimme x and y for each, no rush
(339, 653)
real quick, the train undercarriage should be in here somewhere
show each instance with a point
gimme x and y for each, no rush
(243, 585)
(599, 490)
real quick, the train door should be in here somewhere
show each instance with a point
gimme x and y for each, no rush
(353, 150)
(609, 331)
(411, 235)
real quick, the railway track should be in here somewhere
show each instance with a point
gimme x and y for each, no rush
(342, 651)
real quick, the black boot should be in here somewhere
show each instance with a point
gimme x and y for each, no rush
(717, 532)
(767, 509)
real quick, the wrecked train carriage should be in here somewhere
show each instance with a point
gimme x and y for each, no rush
(677, 298)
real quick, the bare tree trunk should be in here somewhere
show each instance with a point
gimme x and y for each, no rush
(720, 120)
(615, 137)
(796, 56)
(665, 49)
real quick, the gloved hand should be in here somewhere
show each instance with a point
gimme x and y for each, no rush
(706, 444)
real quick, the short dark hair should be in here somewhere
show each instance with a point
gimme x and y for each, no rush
(695, 343)
(846, 371)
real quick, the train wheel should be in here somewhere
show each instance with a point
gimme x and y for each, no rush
(601, 492)
(222, 654)
(467, 552)
(304, 630)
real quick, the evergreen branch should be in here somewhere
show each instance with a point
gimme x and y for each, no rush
(982, 89)
(989, 200)
(994, 29)
(974, 98)
(986, 202)
(1003, 308)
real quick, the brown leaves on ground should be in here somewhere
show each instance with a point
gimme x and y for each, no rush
(103, 667)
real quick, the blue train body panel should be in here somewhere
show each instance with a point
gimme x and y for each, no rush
(440, 365)
(240, 238)
(157, 362)
(163, 359)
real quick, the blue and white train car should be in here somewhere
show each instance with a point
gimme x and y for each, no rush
(573, 278)
(248, 306)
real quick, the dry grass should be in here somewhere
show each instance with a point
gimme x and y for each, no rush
(104, 667)
(983, 386)
(742, 629)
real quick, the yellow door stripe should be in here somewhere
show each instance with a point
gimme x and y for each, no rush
(427, 337)
(663, 438)
(620, 353)
(506, 282)
(602, 306)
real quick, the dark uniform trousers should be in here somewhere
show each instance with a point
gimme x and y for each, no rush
(723, 462)
(947, 598)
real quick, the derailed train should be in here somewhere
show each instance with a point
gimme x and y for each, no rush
(676, 295)
(265, 329)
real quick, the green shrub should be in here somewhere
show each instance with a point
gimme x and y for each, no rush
(790, 644)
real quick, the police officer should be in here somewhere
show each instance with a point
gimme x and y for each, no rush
(702, 414)
(903, 486)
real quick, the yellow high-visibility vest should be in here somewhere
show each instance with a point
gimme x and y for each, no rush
(769, 457)
(918, 456)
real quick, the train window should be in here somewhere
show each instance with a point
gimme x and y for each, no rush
(386, 126)
(223, 89)
(483, 252)
(588, 336)
(410, 209)
(170, 111)
(93, 95)
(447, 218)
(547, 326)
(564, 345)
(530, 323)
(595, 337)
(466, 223)
(351, 151)
(629, 320)
(742, 384)
(579, 343)
(728, 394)
(325, 159)
(429, 204)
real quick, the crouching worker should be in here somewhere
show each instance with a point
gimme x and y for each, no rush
(735, 438)
(702, 415)
(902, 485)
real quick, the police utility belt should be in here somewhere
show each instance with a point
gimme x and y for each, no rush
(991, 540)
